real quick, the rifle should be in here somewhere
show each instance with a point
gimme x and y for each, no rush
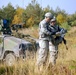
(63, 31)
(65, 42)
(59, 35)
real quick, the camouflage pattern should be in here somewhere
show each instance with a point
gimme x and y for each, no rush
(43, 52)
(12, 44)
(57, 38)
(44, 33)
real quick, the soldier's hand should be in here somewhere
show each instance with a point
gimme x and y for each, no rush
(63, 31)
(58, 33)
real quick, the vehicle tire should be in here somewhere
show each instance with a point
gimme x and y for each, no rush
(10, 59)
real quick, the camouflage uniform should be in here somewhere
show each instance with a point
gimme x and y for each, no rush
(53, 47)
(43, 42)
(44, 34)
(54, 42)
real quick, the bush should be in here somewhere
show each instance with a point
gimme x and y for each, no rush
(73, 23)
(65, 25)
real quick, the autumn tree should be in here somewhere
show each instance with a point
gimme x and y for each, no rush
(18, 16)
(32, 12)
(61, 18)
(30, 22)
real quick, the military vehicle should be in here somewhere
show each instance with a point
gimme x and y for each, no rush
(12, 48)
(15, 45)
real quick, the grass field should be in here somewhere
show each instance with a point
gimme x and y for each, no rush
(66, 62)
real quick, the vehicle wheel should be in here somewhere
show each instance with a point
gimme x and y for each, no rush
(10, 59)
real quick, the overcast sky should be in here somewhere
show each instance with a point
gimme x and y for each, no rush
(68, 5)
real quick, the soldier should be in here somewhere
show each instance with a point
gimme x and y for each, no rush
(6, 28)
(57, 38)
(44, 34)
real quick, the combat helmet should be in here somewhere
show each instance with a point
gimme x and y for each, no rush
(49, 15)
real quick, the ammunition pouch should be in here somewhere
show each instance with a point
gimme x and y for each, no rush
(43, 35)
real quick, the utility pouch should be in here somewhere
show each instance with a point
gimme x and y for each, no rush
(43, 35)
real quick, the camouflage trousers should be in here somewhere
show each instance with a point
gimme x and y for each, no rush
(53, 53)
(46, 48)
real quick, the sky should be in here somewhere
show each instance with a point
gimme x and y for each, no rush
(68, 5)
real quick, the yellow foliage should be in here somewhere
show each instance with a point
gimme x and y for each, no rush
(30, 22)
(16, 20)
(18, 16)
(61, 18)
(19, 11)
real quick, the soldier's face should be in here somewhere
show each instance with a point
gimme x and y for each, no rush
(48, 20)
(53, 23)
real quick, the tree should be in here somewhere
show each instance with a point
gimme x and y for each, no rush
(30, 22)
(8, 12)
(1, 13)
(33, 10)
(18, 16)
(61, 18)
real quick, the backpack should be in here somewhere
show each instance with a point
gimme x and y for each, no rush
(4, 23)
